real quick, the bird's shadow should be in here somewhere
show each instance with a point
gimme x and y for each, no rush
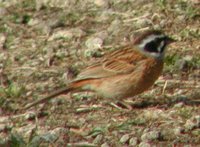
(166, 102)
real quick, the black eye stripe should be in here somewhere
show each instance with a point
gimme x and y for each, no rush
(153, 45)
(159, 40)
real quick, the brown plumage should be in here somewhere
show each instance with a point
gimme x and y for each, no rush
(121, 73)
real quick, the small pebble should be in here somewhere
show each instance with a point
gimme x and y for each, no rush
(133, 141)
(179, 105)
(101, 3)
(152, 135)
(124, 138)
(98, 139)
(178, 131)
(105, 145)
(94, 43)
(144, 144)
(193, 123)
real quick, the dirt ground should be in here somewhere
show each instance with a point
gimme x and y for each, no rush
(44, 44)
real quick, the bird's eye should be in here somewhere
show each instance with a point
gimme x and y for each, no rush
(156, 46)
(151, 47)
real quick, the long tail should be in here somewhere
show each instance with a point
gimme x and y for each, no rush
(74, 86)
(48, 97)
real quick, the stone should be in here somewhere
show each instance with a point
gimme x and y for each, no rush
(151, 135)
(124, 138)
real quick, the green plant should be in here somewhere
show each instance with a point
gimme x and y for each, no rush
(161, 3)
(13, 90)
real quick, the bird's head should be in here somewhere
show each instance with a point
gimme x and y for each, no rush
(153, 43)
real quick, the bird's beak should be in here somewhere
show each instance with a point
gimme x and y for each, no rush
(170, 40)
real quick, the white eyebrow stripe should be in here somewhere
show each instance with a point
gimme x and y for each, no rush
(149, 39)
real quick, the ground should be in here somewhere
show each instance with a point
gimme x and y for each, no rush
(44, 44)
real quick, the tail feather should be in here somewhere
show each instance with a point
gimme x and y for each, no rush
(48, 97)
(74, 86)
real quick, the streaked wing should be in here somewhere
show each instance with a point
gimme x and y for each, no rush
(117, 62)
(93, 72)
(118, 66)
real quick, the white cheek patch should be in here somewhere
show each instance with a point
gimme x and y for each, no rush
(162, 44)
(155, 55)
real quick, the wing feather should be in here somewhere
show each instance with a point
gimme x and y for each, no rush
(117, 62)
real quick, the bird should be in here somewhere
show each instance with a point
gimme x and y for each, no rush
(122, 73)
